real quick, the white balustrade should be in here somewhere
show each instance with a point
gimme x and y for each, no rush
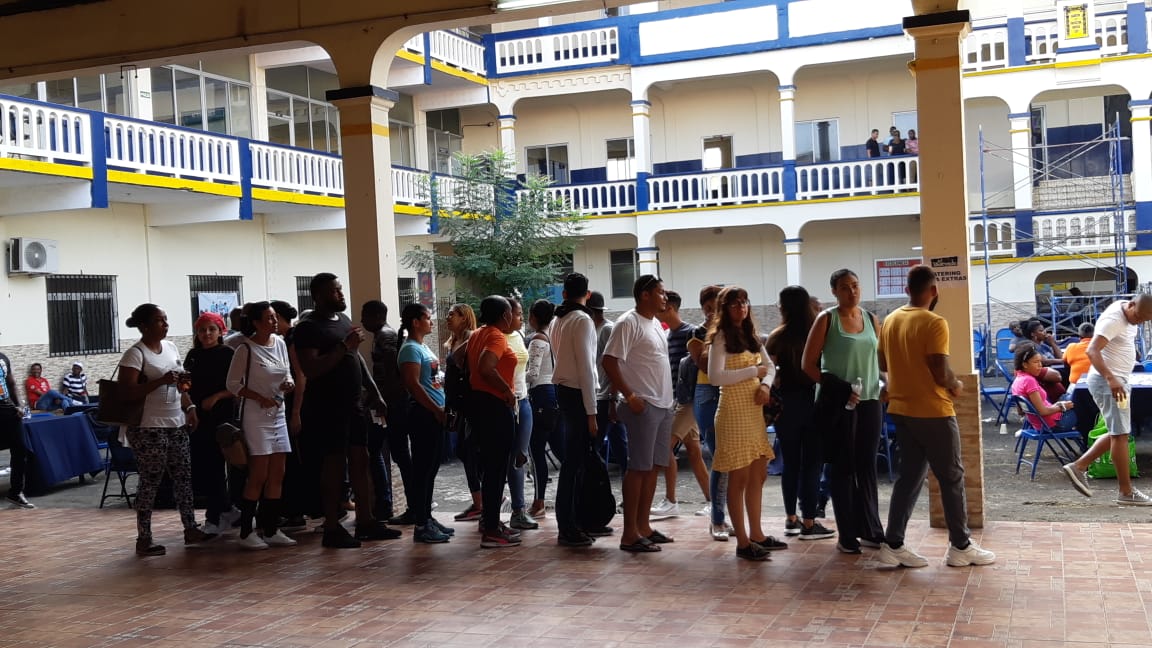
(999, 235)
(1040, 42)
(859, 177)
(409, 187)
(727, 187)
(1063, 234)
(598, 197)
(45, 133)
(458, 51)
(154, 148)
(415, 44)
(1112, 34)
(557, 50)
(296, 170)
(986, 49)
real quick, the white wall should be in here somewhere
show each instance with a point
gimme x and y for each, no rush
(862, 96)
(591, 258)
(749, 257)
(1072, 111)
(584, 122)
(856, 245)
(991, 115)
(746, 108)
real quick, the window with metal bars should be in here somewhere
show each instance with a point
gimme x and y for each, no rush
(304, 299)
(214, 284)
(81, 315)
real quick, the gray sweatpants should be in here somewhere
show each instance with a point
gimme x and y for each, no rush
(928, 443)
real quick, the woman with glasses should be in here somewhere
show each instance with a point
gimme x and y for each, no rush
(841, 355)
(739, 364)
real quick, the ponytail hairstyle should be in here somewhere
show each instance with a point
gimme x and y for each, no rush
(142, 316)
(409, 314)
(796, 313)
(253, 311)
(543, 311)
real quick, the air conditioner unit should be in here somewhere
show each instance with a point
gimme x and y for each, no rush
(33, 256)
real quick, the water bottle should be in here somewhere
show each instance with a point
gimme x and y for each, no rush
(857, 387)
(26, 413)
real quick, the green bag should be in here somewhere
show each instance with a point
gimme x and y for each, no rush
(1103, 468)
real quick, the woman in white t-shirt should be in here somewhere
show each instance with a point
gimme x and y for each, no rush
(542, 395)
(151, 370)
(260, 374)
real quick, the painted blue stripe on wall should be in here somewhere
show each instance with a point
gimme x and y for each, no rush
(245, 180)
(1016, 50)
(428, 58)
(1079, 48)
(672, 168)
(99, 162)
(582, 176)
(1144, 225)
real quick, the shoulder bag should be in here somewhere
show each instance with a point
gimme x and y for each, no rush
(115, 406)
(230, 434)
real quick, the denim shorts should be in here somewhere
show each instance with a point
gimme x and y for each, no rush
(1118, 420)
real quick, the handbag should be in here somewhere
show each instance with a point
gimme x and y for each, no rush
(230, 434)
(115, 407)
(595, 503)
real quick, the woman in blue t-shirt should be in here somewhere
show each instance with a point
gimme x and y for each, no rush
(420, 371)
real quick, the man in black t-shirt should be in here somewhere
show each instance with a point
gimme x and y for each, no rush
(334, 422)
(12, 434)
(872, 146)
(387, 442)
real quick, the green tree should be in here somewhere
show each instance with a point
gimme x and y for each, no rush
(503, 235)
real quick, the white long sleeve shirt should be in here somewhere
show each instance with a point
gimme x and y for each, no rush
(540, 364)
(718, 360)
(574, 346)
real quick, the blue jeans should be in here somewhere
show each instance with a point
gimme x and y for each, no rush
(520, 446)
(704, 407)
(53, 400)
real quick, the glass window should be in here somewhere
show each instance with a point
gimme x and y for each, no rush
(400, 138)
(215, 105)
(550, 161)
(22, 90)
(621, 159)
(904, 122)
(442, 148)
(622, 265)
(60, 91)
(304, 299)
(81, 314)
(279, 118)
(718, 152)
(217, 285)
(188, 102)
(116, 100)
(90, 93)
(163, 96)
(239, 110)
(817, 141)
(301, 124)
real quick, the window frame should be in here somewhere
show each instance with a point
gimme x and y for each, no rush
(548, 162)
(628, 162)
(833, 147)
(110, 333)
(622, 292)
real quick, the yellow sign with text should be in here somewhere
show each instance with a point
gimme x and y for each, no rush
(1076, 21)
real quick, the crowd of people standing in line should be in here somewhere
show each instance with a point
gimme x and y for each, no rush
(316, 417)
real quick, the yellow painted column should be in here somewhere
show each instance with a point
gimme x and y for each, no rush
(944, 229)
(370, 225)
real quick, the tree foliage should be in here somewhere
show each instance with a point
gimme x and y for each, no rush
(503, 235)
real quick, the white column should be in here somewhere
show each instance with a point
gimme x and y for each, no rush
(1020, 130)
(792, 260)
(368, 207)
(508, 139)
(788, 122)
(642, 134)
(259, 100)
(1141, 151)
(421, 155)
(648, 260)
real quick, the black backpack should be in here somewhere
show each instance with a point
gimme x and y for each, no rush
(595, 503)
(686, 374)
(457, 383)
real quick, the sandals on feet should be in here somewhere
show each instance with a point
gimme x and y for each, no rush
(659, 538)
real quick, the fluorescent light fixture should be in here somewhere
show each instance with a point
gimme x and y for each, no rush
(917, 248)
(507, 5)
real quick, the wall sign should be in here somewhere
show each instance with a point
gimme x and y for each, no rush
(892, 276)
(950, 269)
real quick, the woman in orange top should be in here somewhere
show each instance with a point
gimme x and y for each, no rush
(1076, 356)
(491, 366)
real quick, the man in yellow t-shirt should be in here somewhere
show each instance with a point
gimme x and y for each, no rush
(921, 385)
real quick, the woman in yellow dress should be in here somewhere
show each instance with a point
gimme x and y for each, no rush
(738, 363)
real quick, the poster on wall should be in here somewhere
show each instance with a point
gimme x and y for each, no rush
(427, 293)
(892, 275)
(950, 269)
(220, 303)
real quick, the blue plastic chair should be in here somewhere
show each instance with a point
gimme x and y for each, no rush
(1004, 339)
(884, 452)
(997, 396)
(1066, 445)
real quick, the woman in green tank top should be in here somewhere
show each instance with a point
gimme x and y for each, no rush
(843, 342)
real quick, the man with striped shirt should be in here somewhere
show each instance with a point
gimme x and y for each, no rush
(75, 383)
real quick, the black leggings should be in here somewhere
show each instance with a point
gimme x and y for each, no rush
(427, 447)
(493, 428)
(545, 416)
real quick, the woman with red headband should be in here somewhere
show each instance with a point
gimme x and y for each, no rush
(208, 362)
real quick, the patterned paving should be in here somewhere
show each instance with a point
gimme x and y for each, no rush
(70, 579)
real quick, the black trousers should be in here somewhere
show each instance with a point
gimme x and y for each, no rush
(494, 429)
(576, 439)
(12, 437)
(427, 448)
(852, 478)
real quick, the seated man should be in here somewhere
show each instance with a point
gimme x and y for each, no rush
(76, 383)
(40, 393)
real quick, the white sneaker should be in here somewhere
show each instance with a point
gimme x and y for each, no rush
(229, 519)
(971, 555)
(252, 543)
(214, 529)
(665, 509)
(1135, 498)
(718, 532)
(278, 539)
(706, 511)
(902, 557)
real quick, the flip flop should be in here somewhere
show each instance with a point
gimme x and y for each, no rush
(643, 545)
(659, 538)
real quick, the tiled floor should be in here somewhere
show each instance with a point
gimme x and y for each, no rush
(69, 578)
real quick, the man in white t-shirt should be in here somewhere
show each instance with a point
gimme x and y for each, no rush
(1112, 353)
(636, 361)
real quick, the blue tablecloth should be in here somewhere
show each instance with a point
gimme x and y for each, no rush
(62, 447)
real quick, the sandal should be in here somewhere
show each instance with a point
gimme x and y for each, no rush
(642, 545)
(659, 538)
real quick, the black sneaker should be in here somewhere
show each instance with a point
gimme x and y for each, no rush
(377, 531)
(770, 543)
(293, 524)
(146, 548)
(816, 532)
(194, 537)
(338, 538)
(404, 519)
(600, 532)
(575, 540)
(793, 527)
(753, 552)
(17, 500)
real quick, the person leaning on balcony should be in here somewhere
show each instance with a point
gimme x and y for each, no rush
(896, 145)
(872, 146)
(912, 143)
(160, 442)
